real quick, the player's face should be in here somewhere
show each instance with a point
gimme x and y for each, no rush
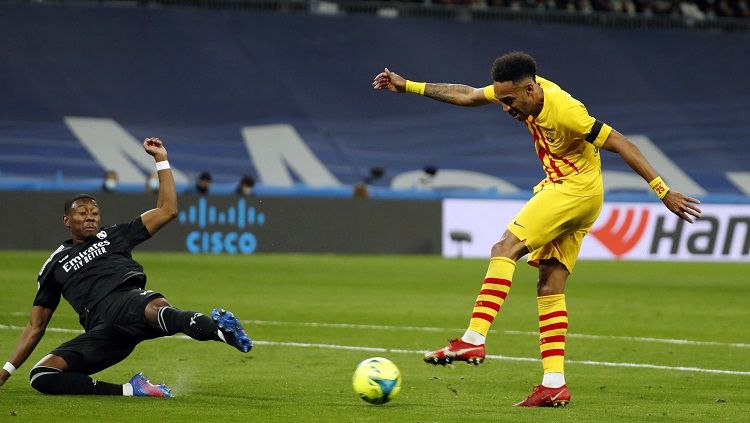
(82, 219)
(517, 99)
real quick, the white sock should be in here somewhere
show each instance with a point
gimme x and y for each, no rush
(553, 380)
(127, 389)
(473, 337)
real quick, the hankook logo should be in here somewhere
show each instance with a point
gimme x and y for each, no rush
(621, 233)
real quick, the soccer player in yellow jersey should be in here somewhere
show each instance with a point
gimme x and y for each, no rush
(561, 212)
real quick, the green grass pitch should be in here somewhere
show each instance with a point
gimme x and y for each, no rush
(309, 314)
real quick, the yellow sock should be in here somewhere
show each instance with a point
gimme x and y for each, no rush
(553, 325)
(494, 290)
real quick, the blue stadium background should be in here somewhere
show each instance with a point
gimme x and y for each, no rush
(195, 77)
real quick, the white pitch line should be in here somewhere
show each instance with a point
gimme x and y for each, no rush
(507, 332)
(640, 339)
(59, 330)
(494, 357)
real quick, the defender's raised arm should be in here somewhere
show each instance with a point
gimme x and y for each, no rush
(458, 94)
(166, 203)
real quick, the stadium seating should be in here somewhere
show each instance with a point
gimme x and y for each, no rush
(228, 91)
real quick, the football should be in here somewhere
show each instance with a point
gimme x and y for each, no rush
(377, 380)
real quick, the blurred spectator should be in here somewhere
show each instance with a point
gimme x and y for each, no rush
(246, 187)
(152, 183)
(690, 9)
(584, 6)
(723, 8)
(202, 185)
(110, 181)
(376, 172)
(743, 9)
(428, 177)
(361, 191)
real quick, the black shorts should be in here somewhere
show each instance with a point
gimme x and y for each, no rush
(117, 324)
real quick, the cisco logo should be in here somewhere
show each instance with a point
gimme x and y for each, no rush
(236, 239)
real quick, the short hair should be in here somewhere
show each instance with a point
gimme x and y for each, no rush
(69, 203)
(514, 66)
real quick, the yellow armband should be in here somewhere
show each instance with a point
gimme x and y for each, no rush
(660, 188)
(415, 87)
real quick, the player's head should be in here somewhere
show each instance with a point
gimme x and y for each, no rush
(81, 217)
(514, 82)
(515, 66)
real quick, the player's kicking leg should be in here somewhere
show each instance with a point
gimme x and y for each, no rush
(470, 347)
(495, 288)
(221, 326)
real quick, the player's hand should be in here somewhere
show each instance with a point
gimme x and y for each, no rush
(683, 206)
(155, 147)
(390, 81)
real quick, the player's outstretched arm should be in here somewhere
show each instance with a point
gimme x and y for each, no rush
(686, 208)
(458, 94)
(32, 334)
(166, 202)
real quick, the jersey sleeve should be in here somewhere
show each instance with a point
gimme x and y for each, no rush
(134, 232)
(48, 292)
(578, 120)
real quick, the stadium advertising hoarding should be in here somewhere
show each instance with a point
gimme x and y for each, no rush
(240, 225)
(626, 231)
(237, 225)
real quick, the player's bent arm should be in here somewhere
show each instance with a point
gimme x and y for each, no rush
(166, 202)
(683, 206)
(33, 332)
(630, 153)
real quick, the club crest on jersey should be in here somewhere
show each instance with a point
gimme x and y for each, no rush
(101, 235)
(552, 135)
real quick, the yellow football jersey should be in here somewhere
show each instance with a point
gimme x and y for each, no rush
(567, 141)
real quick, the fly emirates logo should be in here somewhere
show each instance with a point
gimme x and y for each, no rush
(95, 250)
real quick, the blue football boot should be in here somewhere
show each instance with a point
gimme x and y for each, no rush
(231, 330)
(142, 387)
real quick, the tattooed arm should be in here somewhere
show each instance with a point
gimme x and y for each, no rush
(458, 94)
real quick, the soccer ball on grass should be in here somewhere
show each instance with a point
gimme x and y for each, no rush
(377, 380)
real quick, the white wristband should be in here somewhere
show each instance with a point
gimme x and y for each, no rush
(162, 165)
(9, 367)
